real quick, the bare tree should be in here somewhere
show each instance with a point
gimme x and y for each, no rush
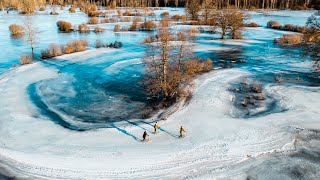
(164, 37)
(313, 22)
(176, 3)
(183, 48)
(193, 8)
(207, 11)
(30, 33)
(27, 6)
(170, 62)
(237, 24)
(228, 22)
(165, 2)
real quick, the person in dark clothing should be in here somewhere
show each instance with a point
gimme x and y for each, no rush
(145, 135)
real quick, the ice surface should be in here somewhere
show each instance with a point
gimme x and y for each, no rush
(42, 105)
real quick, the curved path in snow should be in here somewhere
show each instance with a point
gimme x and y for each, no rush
(216, 144)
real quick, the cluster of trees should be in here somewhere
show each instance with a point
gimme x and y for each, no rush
(57, 50)
(260, 4)
(28, 32)
(312, 37)
(287, 27)
(228, 22)
(67, 27)
(170, 62)
(217, 4)
(309, 39)
(100, 44)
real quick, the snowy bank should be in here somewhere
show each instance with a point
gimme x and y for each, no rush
(215, 143)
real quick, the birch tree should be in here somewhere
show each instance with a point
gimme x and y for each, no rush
(30, 33)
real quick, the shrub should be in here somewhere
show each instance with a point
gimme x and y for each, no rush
(78, 45)
(94, 13)
(176, 17)
(26, 59)
(74, 28)
(294, 28)
(68, 50)
(195, 67)
(64, 26)
(290, 39)
(152, 14)
(125, 19)
(72, 10)
(208, 65)
(138, 19)
(183, 18)
(93, 20)
(104, 21)
(44, 54)
(87, 7)
(288, 27)
(148, 25)
(42, 8)
(116, 44)
(99, 43)
(124, 28)
(52, 51)
(147, 40)
(164, 14)
(110, 20)
(237, 35)
(119, 13)
(113, 20)
(27, 7)
(299, 8)
(252, 24)
(128, 13)
(116, 28)
(93, 7)
(134, 26)
(193, 32)
(99, 30)
(54, 13)
(16, 29)
(138, 14)
(252, 8)
(273, 24)
(83, 28)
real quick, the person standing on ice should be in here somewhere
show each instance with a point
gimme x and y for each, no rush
(181, 132)
(145, 135)
(156, 126)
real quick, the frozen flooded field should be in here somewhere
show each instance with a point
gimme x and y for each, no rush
(80, 115)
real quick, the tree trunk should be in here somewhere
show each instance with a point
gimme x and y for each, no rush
(32, 49)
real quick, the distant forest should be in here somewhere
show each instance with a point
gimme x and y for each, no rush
(219, 4)
(211, 4)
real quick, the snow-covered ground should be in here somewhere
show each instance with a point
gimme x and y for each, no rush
(77, 91)
(216, 144)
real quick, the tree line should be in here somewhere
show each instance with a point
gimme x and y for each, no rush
(217, 4)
